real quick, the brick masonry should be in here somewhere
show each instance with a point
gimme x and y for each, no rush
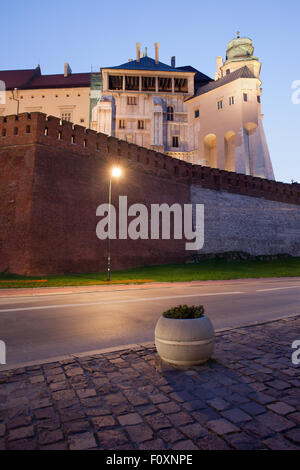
(246, 398)
(53, 176)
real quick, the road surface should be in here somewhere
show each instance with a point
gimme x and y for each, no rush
(44, 323)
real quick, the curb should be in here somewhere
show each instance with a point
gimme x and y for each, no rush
(96, 288)
(124, 347)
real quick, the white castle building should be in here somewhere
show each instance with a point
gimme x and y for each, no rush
(175, 110)
(183, 113)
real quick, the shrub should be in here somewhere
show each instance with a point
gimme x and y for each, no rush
(184, 312)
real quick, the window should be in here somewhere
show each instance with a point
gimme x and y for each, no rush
(180, 85)
(231, 100)
(220, 104)
(132, 83)
(197, 113)
(245, 97)
(81, 120)
(170, 113)
(67, 116)
(141, 124)
(148, 83)
(258, 99)
(131, 100)
(175, 141)
(115, 82)
(121, 123)
(165, 84)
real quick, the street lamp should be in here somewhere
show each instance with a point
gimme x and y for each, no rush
(114, 172)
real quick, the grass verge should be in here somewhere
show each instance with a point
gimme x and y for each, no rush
(206, 270)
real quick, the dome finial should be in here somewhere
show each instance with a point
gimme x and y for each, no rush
(240, 49)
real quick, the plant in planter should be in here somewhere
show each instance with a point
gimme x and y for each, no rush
(185, 336)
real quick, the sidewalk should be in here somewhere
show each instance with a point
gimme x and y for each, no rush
(246, 398)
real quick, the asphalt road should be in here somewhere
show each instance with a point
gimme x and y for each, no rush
(36, 327)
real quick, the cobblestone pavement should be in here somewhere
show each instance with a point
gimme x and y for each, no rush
(247, 397)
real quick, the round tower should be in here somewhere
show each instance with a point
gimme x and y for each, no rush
(240, 52)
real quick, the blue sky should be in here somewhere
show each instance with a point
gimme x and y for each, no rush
(103, 33)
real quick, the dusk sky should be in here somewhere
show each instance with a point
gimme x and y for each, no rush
(102, 33)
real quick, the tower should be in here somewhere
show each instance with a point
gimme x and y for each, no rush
(238, 117)
(238, 54)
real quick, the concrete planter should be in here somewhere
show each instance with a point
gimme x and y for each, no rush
(185, 342)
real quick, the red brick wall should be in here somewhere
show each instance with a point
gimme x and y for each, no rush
(57, 174)
(16, 180)
(67, 190)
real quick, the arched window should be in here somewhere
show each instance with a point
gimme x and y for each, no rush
(170, 113)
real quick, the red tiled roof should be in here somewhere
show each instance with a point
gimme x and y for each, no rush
(60, 81)
(33, 79)
(17, 78)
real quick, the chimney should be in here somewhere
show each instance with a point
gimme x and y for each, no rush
(219, 65)
(173, 61)
(156, 52)
(138, 51)
(67, 70)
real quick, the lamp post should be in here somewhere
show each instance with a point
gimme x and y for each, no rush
(115, 172)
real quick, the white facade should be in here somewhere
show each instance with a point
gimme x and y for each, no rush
(212, 123)
(152, 119)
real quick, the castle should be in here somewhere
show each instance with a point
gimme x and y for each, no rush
(178, 111)
(54, 175)
(179, 137)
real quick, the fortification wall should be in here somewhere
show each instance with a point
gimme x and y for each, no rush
(48, 130)
(54, 175)
(67, 183)
(235, 222)
(66, 192)
(16, 181)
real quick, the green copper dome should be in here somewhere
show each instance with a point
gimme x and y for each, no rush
(240, 49)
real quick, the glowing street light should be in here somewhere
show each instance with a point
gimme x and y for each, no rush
(114, 172)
